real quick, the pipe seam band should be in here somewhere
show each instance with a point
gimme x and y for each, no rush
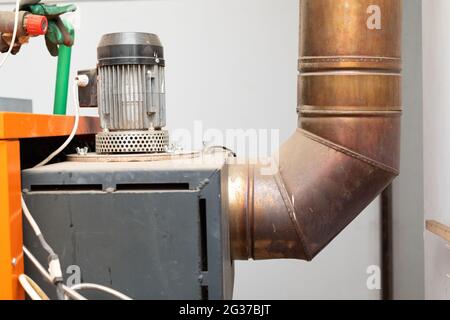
(291, 211)
(250, 213)
(349, 113)
(349, 152)
(349, 58)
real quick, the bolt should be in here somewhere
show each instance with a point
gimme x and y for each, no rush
(14, 262)
(174, 148)
(168, 149)
(82, 151)
(156, 58)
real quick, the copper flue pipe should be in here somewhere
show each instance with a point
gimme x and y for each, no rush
(347, 145)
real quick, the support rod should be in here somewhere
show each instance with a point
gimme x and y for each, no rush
(387, 256)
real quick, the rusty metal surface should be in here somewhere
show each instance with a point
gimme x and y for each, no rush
(356, 133)
(346, 150)
(349, 91)
(7, 20)
(260, 225)
(329, 186)
(240, 225)
(335, 35)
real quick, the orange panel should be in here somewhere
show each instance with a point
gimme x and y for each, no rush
(27, 125)
(10, 221)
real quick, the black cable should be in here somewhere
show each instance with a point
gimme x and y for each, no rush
(211, 148)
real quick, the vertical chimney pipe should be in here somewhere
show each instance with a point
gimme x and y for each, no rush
(347, 145)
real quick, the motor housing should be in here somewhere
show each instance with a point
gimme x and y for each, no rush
(130, 94)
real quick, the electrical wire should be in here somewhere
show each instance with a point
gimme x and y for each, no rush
(97, 287)
(72, 291)
(27, 283)
(54, 264)
(32, 289)
(36, 229)
(72, 134)
(14, 35)
(36, 263)
(63, 291)
(211, 149)
(25, 209)
(68, 291)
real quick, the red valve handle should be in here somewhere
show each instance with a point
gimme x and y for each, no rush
(36, 25)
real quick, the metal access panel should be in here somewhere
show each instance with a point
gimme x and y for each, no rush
(150, 230)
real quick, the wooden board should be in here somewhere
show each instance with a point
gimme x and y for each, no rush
(439, 229)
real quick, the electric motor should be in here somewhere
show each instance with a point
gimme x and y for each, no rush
(131, 94)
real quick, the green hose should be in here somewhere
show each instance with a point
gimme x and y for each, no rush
(62, 78)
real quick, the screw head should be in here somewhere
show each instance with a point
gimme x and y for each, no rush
(110, 190)
(14, 262)
(82, 151)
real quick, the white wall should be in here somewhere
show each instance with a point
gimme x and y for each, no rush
(231, 64)
(408, 213)
(436, 117)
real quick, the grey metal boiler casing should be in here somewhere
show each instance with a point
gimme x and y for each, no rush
(154, 230)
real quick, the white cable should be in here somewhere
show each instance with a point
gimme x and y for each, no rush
(23, 279)
(70, 292)
(55, 269)
(36, 263)
(30, 219)
(13, 40)
(79, 80)
(97, 287)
